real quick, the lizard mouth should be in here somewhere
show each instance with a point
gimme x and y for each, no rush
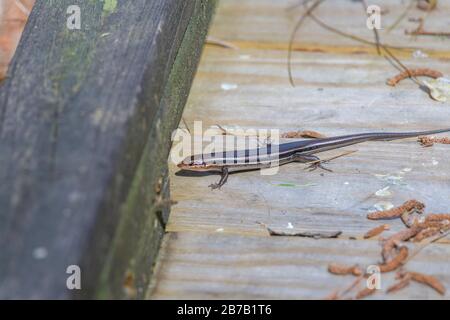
(192, 167)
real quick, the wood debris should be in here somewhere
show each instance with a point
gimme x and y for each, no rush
(339, 269)
(428, 280)
(432, 225)
(404, 281)
(395, 254)
(392, 242)
(408, 206)
(409, 73)
(426, 233)
(429, 141)
(395, 262)
(420, 30)
(365, 293)
(220, 43)
(376, 231)
(437, 217)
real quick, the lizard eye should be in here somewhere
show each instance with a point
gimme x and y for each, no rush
(194, 161)
(199, 163)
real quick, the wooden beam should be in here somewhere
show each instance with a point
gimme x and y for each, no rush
(85, 123)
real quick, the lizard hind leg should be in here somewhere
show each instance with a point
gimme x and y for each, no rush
(314, 161)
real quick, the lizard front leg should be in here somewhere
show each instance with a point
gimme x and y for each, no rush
(222, 181)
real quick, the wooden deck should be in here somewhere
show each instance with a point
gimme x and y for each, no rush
(216, 245)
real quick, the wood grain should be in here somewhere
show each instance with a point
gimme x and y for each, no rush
(340, 89)
(221, 266)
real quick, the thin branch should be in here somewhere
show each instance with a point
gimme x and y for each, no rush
(412, 76)
(185, 125)
(426, 243)
(332, 158)
(390, 56)
(296, 28)
(401, 17)
(351, 36)
(375, 31)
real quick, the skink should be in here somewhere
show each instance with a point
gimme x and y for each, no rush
(299, 151)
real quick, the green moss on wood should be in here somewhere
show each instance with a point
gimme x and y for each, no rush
(109, 6)
(139, 235)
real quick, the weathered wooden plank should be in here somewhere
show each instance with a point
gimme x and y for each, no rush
(337, 96)
(221, 266)
(134, 258)
(77, 117)
(256, 15)
(340, 89)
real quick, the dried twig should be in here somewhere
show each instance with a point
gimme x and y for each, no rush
(185, 125)
(400, 65)
(340, 269)
(401, 16)
(389, 55)
(433, 225)
(395, 262)
(426, 72)
(437, 217)
(408, 206)
(224, 131)
(428, 280)
(391, 242)
(302, 134)
(423, 32)
(308, 234)
(426, 233)
(376, 231)
(426, 243)
(429, 141)
(220, 43)
(296, 28)
(352, 285)
(408, 218)
(425, 228)
(365, 293)
(402, 283)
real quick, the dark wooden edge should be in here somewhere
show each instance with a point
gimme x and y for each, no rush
(85, 124)
(130, 265)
